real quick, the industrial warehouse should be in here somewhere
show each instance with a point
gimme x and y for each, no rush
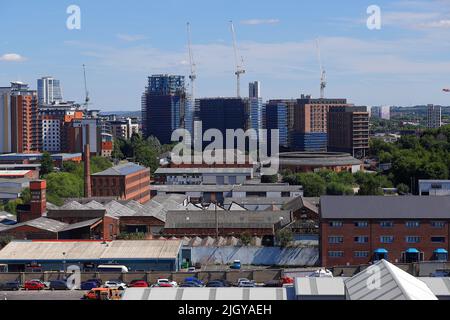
(41, 256)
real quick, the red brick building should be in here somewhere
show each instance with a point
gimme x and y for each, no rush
(359, 230)
(128, 181)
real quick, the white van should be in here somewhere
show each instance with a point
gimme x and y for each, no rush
(112, 268)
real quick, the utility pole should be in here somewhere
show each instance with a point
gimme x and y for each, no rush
(239, 62)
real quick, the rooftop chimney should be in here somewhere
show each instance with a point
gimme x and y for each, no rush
(38, 203)
(87, 171)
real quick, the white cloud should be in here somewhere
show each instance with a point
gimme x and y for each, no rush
(255, 22)
(12, 57)
(436, 24)
(131, 37)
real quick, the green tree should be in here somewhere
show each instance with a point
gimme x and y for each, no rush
(402, 189)
(339, 189)
(11, 206)
(313, 184)
(46, 164)
(269, 179)
(117, 151)
(246, 238)
(131, 236)
(26, 195)
(370, 187)
(4, 240)
(99, 164)
(285, 237)
(63, 185)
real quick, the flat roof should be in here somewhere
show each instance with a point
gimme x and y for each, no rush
(91, 250)
(121, 170)
(316, 286)
(203, 170)
(227, 188)
(384, 207)
(263, 294)
(6, 173)
(16, 156)
(317, 159)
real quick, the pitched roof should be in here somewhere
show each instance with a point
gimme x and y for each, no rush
(41, 223)
(81, 224)
(121, 170)
(384, 207)
(227, 219)
(384, 281)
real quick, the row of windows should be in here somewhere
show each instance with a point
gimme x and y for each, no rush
(387, 224)
(384, 239)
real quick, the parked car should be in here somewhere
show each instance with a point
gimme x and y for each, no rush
(273, 284)
(102, 294)
(246, 284)
(190, 285)
(138, 284)
(33, 285)
(194, 280)
(191, 269)
(58, 285)
(215, 284)
(45, 283)
(236, 265)
(10, 286)
(89, 285)
(97, 281)
(162, 285)
(287, 280)
(167, 281)
(115, 284)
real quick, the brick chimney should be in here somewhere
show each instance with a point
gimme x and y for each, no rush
(87, 171)
(38, 203)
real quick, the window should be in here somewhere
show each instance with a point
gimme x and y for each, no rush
(412, 239)
(335, 254)
(386, 224)
(387, 239)
(438, 224)
(412, 224)
(362, 239)
(335, 239)
(361, 254)
(361, 224)
(335, 224)
(438, 239)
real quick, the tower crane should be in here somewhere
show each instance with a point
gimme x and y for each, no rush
(239, 63)
(193, 75)
(323, 80)
(87, 99)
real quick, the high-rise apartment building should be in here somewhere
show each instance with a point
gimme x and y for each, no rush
(49, 91)
(123, 128)
(434, 116)
(223, 114)
(383, 112)
(348, 130)
(277, 117)
(256, 105)
(19, 118)
(310, 123)
(163, 106)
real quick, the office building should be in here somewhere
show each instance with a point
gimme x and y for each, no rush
(123, 129)
(256, 106)
(381, 112)
(163, 106)
(277, 117)
(434, 116)
(310, 118)
(49, 91)
(348, 130)
(81, 132)
(223, 114)
(5, 120)
(360, 230)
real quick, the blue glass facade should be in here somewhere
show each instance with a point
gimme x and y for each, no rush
(310, 142)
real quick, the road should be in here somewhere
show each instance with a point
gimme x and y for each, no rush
(41, 295)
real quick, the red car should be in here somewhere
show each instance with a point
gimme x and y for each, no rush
(287, 280)
(33, 285)
(138, 284)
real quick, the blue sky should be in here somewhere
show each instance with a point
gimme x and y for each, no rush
(407, 62)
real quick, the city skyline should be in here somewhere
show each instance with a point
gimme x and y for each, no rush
(403, 64)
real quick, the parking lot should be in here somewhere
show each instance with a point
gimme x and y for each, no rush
(42, 295)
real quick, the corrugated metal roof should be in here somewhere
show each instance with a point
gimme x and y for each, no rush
(82, 224)
(263, 294)
(91, 250)
(384, 207)
(227, 219)
(316, 286)
(439, 286)
(41, 223)
(121, 170)
(384, 281)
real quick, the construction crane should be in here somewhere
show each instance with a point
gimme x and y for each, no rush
(239, 63)
(86, 100)
(323, 80)
(193, 74)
